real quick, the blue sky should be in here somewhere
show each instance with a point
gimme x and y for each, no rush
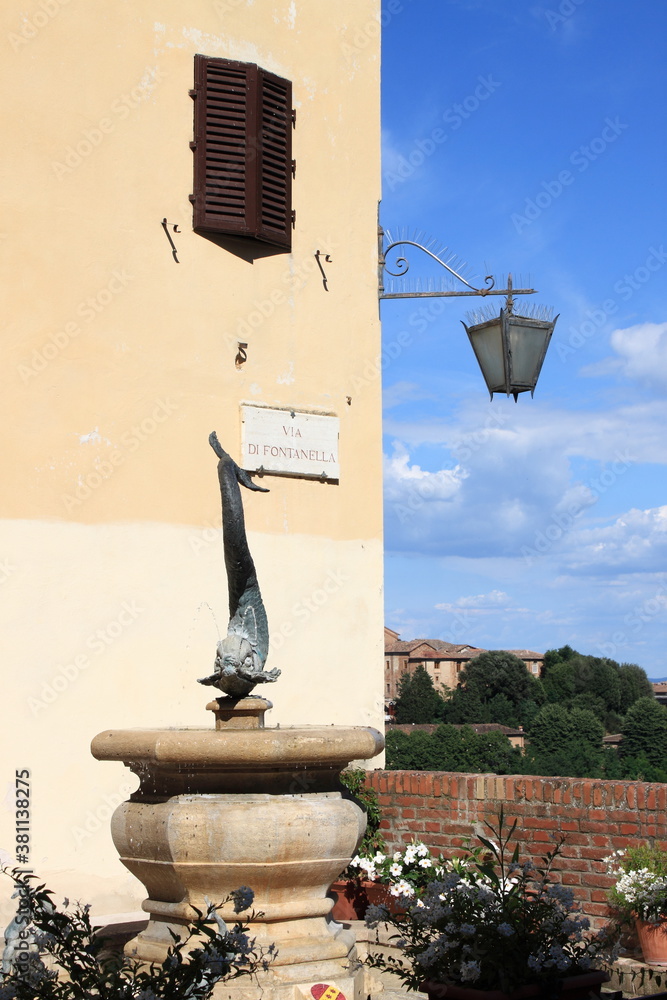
(530, 137)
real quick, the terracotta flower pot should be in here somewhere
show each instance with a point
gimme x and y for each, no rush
(653, 940)
(571, 988)
(354, 896)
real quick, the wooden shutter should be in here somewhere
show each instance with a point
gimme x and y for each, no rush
(243, 151)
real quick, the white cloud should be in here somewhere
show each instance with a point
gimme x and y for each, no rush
(643, 352)
(411, 484)
(495, 600)
(507, 481)
(636, 542)
(499, 434)
(641, 356)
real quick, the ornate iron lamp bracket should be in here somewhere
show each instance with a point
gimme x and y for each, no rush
(402, 265)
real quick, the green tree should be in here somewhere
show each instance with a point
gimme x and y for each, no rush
(597, 683)
(498, 672)
(491, 752)
(591, 703)
(452, 749)
(559, 682)
(529, 710)
(598, 676)
(397, 750)
(465, 706)
(554, 656)
(495, 687)
(555, 728)
(645, 732)
(640, 768)
(565, 741)
(501, 709)
(410, 752)
(418, 701)
(634, 685)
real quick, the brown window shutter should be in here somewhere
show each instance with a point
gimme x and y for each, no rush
(274, 174)
(242, 151)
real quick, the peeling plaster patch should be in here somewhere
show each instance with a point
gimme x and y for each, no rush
(255, 389)
(93, 437)
(312, 88)
(288, 377)
(227, 47)
(149, 81)
(159, 38)
(240, 49)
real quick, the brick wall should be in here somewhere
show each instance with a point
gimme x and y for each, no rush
(598, 817)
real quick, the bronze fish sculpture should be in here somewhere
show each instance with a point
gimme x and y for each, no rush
(241, 655)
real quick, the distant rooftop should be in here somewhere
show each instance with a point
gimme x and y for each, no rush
(455, 650)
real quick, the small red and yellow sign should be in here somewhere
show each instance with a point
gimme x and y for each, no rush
(322, 991)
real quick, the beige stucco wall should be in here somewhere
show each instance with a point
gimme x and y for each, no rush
(118, 362)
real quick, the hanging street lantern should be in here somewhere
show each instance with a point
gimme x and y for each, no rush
(509, 347)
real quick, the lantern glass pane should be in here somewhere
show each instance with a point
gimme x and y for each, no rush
(487, 343)
(528, 341)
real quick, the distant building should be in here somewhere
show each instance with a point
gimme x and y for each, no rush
(515, 735)
(659, 689)
(443, 661)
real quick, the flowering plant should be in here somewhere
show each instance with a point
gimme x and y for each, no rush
(641, 887)
(406, 872)
(490, 922)
(78, 969)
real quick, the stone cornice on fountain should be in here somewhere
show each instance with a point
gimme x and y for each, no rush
(186, 760)
(202, 749)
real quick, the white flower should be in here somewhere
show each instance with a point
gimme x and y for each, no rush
(395, 869)
(379, 858)
(401, 888)
(422, 850)
(368, 866)
(425, 863)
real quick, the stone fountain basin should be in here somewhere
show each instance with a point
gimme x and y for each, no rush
(273, 760)
(220, 808)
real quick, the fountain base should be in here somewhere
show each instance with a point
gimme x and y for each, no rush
(245, 805)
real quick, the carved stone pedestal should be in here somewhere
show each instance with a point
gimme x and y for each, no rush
(217, 809)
